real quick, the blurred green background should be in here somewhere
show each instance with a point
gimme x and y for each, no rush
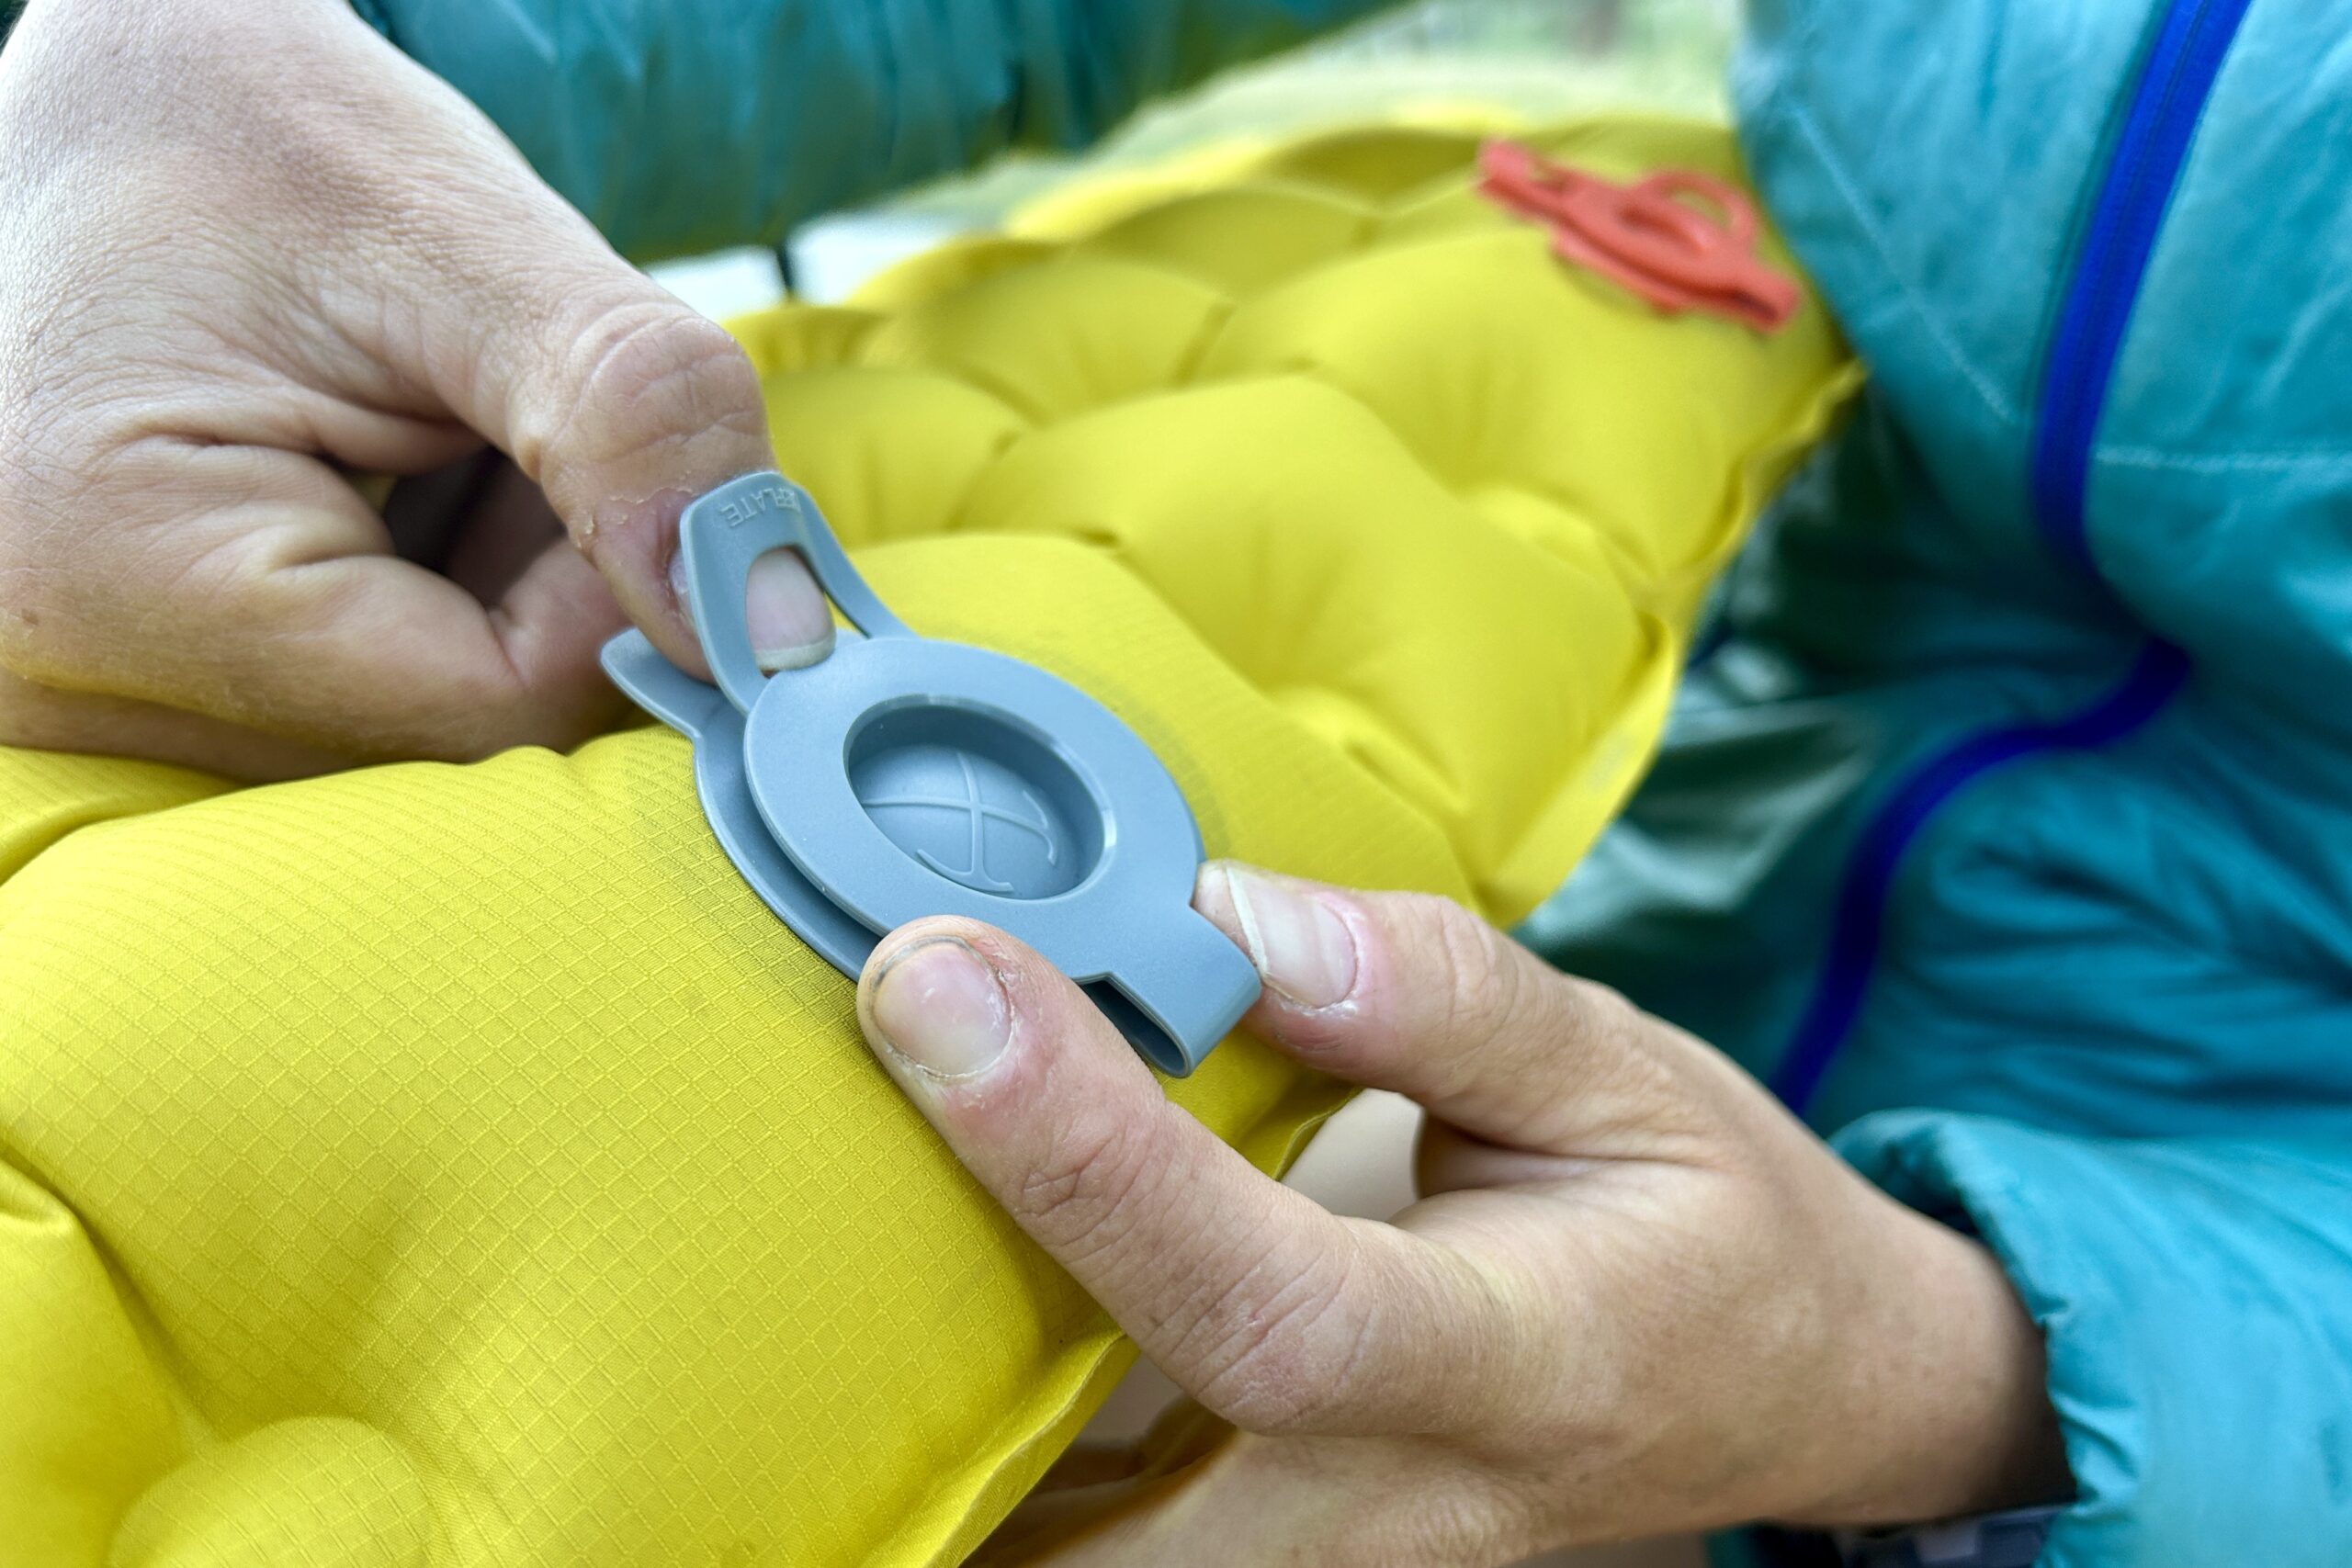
(1538, 58)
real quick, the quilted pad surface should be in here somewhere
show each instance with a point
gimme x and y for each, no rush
(434, 1165)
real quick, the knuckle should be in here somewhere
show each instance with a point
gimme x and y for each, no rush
(1484, 981)
(1610, 1050)
(1469, 1527)
(1083, 1194)
(39, 633)
(28, 715)
(32, 640)
(1288, 1360)
(1599, 1014)
(459, 700)
(455, 732)
(471, 714)
(648, 373)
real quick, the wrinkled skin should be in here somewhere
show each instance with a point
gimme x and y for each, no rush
(251, 250)
(1637, 1297)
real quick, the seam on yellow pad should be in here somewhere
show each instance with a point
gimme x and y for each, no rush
(777, 339)
(1563, 828)
(1092, 204)
(47, 796)
(959, 260)
(1565, 824)
(53, 1267)
(1755, 478)
(967, 303)
(1186, 371)
(1110, 684)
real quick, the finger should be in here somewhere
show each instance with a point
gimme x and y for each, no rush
(1246, 1498)
(1089, 1464)
(501, 535)
(1447, 1159)
(1413, 993)
(269, 600)
(40, 718)
(1179, 1435)
(1270, 1311)
(1099, 1494)
(495, 296)
(1091, 1479)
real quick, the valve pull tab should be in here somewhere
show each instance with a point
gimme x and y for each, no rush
(905, 776)
(720, 537)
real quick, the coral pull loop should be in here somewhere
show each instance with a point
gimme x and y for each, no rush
(1678, 239)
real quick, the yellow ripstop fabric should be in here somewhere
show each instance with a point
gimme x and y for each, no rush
(445, 1165)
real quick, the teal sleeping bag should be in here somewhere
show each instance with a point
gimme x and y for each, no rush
(681, 126)
(2007, 826)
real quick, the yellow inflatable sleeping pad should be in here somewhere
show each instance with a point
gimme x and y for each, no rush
(436, 1164)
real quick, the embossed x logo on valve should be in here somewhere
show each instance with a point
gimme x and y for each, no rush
(978, 812)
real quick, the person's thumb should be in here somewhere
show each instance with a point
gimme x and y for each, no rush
(618, 401)
(1272, 1312)
(647, 407)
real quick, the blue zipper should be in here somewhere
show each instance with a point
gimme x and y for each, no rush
(2178, 78)
(2182, 61)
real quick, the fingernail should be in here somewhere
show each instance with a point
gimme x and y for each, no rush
(939, 1006)
(790, 622)
(1299, 943)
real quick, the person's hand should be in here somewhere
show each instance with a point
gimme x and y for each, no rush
(251, 248)
(1638, 1297)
